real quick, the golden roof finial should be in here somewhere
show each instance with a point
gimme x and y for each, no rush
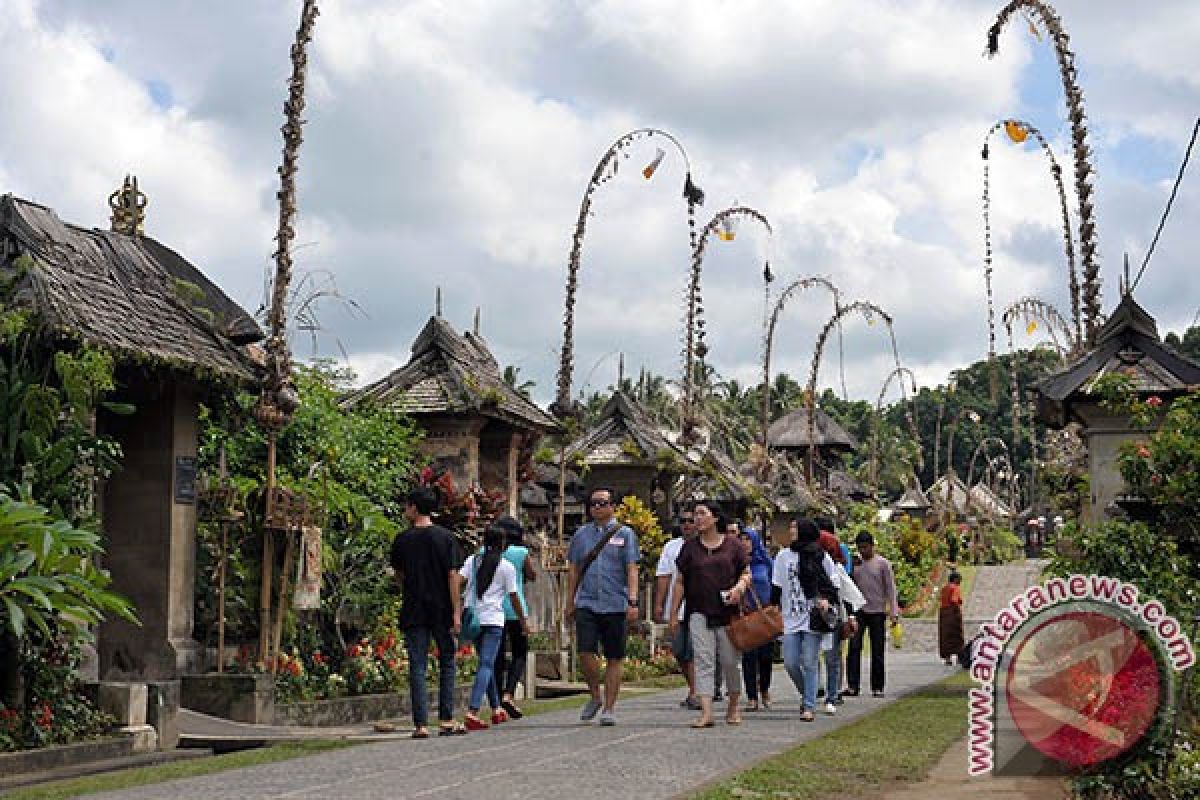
(128, 206)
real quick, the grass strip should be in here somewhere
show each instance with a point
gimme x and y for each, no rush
(875, 751)
(142, 776)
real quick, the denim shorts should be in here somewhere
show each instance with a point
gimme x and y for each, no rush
(596, 630)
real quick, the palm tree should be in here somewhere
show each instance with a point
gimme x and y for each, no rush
(512, 377)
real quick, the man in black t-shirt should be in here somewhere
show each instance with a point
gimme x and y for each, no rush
(426, 559)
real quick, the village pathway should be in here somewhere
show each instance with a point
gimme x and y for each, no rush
(650, 754)
(995, 586)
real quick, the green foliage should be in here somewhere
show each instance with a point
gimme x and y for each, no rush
(913, 553)
(48, 575)
(651, 536)
(1188, 344)
(355, 465)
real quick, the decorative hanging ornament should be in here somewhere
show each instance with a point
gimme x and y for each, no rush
(1016, 131)
(728, 229)
(1031, 327)
(768, 276)
(648, 171)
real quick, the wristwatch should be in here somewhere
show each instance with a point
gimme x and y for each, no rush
(633, 603)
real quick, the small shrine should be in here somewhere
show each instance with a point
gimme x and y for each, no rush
(790, 434)
(176, 340)
(1127, 344)
(477, 427)
(626, 451)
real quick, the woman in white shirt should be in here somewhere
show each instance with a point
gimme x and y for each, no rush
(803, 576)
(490, 579)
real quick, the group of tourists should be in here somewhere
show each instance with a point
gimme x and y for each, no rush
(710, 572)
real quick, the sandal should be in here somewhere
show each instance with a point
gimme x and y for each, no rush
(420, 733)
(699, 724)
(733, 720)
(752, 705)
(511, 709)
(807, 716)
(456, 729)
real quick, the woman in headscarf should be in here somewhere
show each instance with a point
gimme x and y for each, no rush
(804, 575)
(757, 663)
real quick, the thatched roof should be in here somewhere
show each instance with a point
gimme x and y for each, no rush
(624, 435)
(450, 373)
(791, 432)
(979, 499)
(1128, 343)
(846, 485)
(912, 500)
(125, 293)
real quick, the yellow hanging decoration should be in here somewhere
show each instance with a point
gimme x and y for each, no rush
(1031, 327)
(727, 230)
(649, 169)
(1015, 130)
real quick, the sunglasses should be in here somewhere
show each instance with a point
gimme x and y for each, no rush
(600, 503)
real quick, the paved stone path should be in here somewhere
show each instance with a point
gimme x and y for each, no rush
(995, 586)
(651, 753)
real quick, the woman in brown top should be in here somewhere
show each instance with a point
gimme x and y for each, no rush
(715, 574)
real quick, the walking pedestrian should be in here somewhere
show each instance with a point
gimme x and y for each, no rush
(878, 585)
(832, 657)
(951, 638)
(426, 559)
(758, 663)
(490, 580)
(510, 671)
(665, 587)
(716, 575)
(803, 575)
(602, 599)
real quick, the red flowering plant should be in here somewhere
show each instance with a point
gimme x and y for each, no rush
(466, 511)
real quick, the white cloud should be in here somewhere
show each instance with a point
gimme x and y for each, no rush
(449, 145)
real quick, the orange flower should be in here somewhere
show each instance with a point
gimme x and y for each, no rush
(353, 651)
(1143, 451)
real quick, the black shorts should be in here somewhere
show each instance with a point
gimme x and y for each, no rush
(593, 630)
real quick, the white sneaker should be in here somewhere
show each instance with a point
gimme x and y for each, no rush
(830, 709)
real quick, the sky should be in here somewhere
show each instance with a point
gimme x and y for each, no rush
(448, 144)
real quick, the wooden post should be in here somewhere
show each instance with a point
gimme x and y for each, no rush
(221, 598)
(268, 563)
(285, 588)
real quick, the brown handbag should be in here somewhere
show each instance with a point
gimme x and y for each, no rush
(752, 629)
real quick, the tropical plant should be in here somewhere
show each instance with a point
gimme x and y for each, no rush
(651, 536)
(512, 377)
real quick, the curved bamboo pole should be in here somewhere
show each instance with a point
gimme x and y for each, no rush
(868, 311)
(1068, 240)
(605, 170)
(694, 346)
(910, 416)
(769, 339)
(979, 449)
(1073, 97)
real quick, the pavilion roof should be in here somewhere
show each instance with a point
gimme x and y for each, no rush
(126, 293)
(1128, 343)
(624, 434)
(791, 431)
(449, 373)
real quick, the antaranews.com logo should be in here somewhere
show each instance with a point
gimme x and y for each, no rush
(1071, 674)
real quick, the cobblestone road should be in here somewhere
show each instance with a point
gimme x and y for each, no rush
(651, 753)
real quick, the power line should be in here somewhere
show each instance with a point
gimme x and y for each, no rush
(1170, 200)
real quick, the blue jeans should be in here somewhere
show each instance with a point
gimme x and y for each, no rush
(416, 641)
(487, 646)
(800, 651)
(833, 668)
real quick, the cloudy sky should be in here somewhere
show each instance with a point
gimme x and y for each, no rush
(449, 143)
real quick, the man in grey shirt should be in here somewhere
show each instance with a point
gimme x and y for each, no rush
(603, 600)
(878, 586)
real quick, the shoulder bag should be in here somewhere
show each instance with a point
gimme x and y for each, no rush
(752, 629)
(471, 629)
(595, 552)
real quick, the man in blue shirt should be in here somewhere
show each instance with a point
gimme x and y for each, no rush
(603, 600)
